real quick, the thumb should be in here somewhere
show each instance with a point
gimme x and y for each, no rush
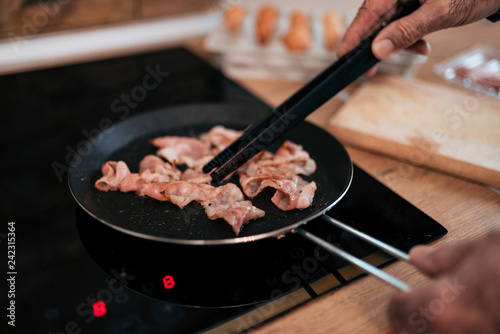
(405, 33)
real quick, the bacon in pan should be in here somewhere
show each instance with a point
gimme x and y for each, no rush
(184, 150)
(226, 202)
(155, 165)
(163, 181)
(220, 137)
(158, 180)
(113, 173)
(236, 214)
(196, 176)
(193, 152)
(180, 193)
(280, 171)
(229, 204)
(298, 196)
(151, 169)
(292, 192)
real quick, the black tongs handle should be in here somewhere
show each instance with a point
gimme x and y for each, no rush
(306, 100)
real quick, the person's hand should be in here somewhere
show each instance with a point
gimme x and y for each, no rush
(463, 296)
(407, 32)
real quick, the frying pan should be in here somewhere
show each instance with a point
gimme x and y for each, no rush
(162, 221)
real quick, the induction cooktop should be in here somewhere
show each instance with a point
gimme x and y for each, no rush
(67, 273)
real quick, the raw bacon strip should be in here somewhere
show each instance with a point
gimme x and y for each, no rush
(293, 158)
(292, 192)
(254, 185)
(195, 153)
(279, 171)
(228, 193)
(197, 177)
(306, 195)
(135, 181)
(151, 164)
(220, 137)
(155, 190)
(179, 193)
(481, 75)
(182, 150)
(196, 164)
(182, 193)
(229, 204)
(236, 214)
(151, 169)
(296, 199)
(289, 152)
(290, 158)
(184, 145)
(113, 173)
(164, 182)
(174, 157)
(132, 182)
(250, 166)
(160, 176)
(226, 202)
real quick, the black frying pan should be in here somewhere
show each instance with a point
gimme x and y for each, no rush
(162, 221)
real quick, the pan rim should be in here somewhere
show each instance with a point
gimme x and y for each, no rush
(277, 233)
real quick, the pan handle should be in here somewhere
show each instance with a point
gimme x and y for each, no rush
(395, 282)
(371, 240)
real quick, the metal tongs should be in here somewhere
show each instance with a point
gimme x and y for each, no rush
(306, 100)
(294, 110)
(395, 282)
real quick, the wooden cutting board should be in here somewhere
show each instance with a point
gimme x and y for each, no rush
(424, 124)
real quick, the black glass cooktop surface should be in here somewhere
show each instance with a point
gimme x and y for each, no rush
(67, 273)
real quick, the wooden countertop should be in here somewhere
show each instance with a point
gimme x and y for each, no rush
(466, 209)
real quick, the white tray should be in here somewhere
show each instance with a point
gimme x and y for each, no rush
(241, 56)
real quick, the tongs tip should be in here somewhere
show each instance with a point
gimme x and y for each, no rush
(218, 160)
(217, 180)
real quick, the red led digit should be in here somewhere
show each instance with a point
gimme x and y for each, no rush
(99, 309)
(168, 282)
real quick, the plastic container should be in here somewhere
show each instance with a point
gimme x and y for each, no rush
(241, 56)
(477, 69)
(404, 63)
